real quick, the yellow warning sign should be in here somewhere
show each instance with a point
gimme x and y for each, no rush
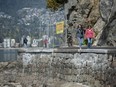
(59, 27)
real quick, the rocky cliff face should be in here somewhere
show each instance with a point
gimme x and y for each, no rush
(100, 14)
(108, 14)
(83, 12)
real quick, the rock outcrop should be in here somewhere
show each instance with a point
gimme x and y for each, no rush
(82, 11)
(108, 14)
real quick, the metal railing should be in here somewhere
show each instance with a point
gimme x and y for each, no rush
(8, 55)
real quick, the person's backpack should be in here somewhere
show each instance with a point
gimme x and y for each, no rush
(80, 32)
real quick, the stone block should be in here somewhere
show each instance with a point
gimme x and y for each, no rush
(114, 63)
(89, 63)
(74, 71)
(68, 78)
(68, 71)
(97, 84)
(45, 59)
(18, 85)
(74, 78)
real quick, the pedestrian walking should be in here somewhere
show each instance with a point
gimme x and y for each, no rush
(89, 35)
(25, 42)
(45, 43)
(69, 39)
(80, 35)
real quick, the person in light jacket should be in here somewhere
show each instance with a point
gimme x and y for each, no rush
(89, 35)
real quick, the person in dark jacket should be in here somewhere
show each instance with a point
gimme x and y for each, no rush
(80, 35)
(69, 39)
(25, 42)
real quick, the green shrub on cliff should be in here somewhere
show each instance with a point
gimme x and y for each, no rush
(55, 4)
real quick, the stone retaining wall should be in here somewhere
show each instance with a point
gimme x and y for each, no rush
(45, 69)
(95, 70)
